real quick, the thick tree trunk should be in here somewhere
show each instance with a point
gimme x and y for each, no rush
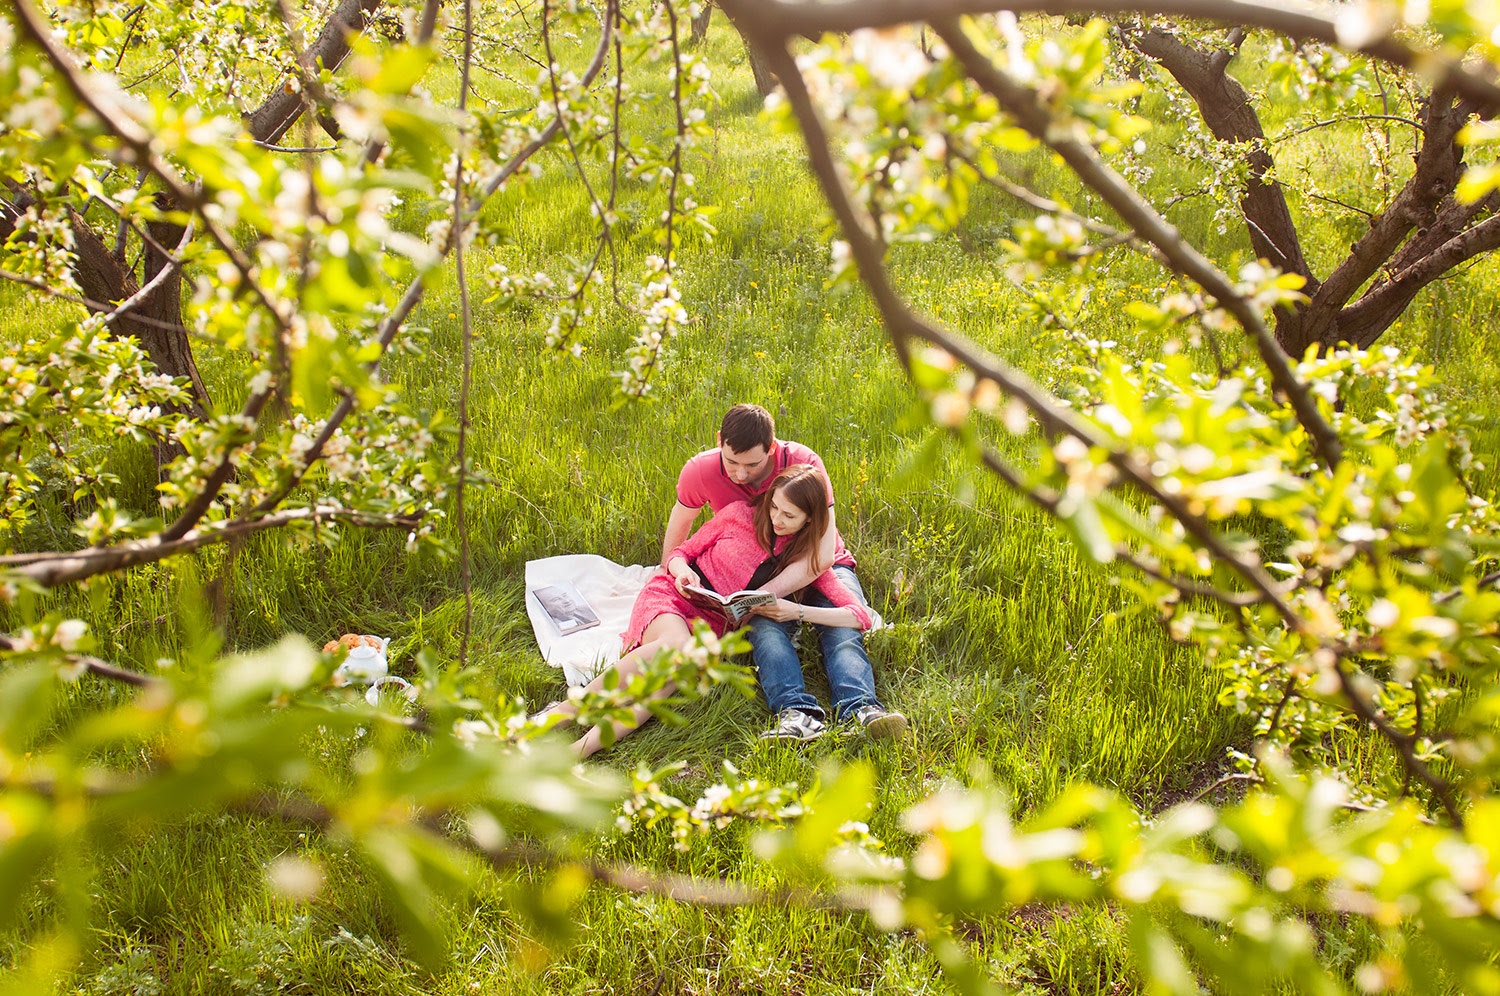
(1422, 234)
(156, 320)
(765, 79)
(1229, 113)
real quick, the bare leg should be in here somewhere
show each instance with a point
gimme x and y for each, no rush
(665, 632)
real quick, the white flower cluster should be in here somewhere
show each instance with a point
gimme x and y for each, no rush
(735, 798)
(43, 246)
(659, 303)
(65, 402)
(51, 638)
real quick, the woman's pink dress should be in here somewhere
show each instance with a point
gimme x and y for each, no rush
(726, 553)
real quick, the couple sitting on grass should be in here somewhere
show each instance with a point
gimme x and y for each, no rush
(772, 529)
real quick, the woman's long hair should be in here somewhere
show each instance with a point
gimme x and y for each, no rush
(804, 487)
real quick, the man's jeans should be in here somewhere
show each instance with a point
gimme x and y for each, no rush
(850, 677)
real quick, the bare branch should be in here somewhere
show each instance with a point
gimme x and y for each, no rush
(1344, 119)
(52, 569)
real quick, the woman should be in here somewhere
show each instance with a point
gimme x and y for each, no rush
(783, 525)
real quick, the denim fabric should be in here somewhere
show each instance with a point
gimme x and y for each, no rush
(851, 679)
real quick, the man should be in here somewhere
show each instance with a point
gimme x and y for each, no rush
(740, 467)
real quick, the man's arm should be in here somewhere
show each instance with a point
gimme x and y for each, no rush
(799, 574)
(679, 524)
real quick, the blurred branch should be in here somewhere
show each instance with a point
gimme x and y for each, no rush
(696, 889)
(1360, 29)
(94, 665)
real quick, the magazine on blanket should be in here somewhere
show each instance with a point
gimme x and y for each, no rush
(566, 607)
(736, 605)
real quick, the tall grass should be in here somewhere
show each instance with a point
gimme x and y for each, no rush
(1012, 656)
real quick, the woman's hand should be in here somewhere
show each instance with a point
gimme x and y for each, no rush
(682, 574)
(782, 610)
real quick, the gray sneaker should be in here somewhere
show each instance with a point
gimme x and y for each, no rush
(881, 724)
(794, 724)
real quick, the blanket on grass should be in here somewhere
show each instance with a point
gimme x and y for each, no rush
(610, 590)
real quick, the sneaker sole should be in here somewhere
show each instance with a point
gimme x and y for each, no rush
(796, 738)
(887, 727)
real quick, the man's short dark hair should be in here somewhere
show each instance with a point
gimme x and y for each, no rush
(746, 427)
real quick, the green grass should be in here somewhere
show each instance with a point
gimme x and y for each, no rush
(1008, 651)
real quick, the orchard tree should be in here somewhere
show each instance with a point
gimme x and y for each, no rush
(1419, 214)
(1373, 609)
(1373, 614)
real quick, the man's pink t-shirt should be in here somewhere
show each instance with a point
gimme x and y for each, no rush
(704, 482)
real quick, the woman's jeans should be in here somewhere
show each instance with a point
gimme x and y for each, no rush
(851, 680)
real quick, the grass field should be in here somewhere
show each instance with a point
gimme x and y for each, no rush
(1011, 654)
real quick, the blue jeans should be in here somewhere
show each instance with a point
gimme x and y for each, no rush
(851, 679)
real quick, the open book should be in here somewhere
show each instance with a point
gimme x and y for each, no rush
(736, 605)
(566, 607)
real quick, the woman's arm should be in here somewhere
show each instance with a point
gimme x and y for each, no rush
(845, 611)
(785, 610)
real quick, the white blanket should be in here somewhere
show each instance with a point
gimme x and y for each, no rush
(610, 590)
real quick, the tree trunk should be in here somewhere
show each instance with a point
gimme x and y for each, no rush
(700, 23)
(163, 332)
(1228, 111)
(1420, 235)
(765, 80)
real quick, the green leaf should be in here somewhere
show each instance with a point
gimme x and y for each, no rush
(25, 845)
(285, 667)
(1160, 961)
(28, 696)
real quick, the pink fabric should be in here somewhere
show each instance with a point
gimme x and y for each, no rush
(726, 554)
(703, 482)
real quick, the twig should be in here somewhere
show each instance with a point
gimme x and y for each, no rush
(466, 331)
(1404, 745)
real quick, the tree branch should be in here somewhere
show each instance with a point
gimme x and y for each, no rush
(276, 115)
(1029, 112)
(905, 326)
(1391, 296)
(52, 569)
(1439, 164)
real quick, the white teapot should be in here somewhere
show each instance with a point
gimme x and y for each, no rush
(364, 664)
